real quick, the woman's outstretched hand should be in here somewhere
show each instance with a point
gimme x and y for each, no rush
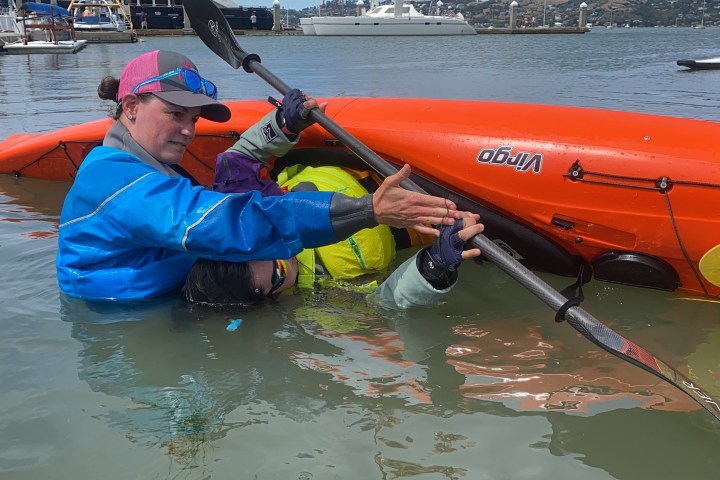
(397, 207)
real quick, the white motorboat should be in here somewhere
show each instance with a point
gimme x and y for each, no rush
(396, 19)
(704, 64)
(99, 15)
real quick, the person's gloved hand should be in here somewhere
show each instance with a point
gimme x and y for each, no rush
(296, 115)
(438, 263)
(447, 249)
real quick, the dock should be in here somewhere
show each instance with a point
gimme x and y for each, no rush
(162, 32)
(179, 32)
(530, 31)
(106, 36)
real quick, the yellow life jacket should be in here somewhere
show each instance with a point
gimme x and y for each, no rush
(368, 251)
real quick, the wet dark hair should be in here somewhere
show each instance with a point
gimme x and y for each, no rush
(108, 90)
(219, 283)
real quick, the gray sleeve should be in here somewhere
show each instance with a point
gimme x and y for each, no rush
(263, 140)
(406, 288)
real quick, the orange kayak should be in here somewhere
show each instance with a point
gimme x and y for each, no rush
(634, 198)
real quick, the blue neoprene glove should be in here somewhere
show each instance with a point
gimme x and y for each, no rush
(447, 249)
(296, 115)
(438, 263)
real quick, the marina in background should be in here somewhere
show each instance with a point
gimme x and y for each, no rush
(114, 21)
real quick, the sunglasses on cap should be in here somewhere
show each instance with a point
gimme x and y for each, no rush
(192, 80)
(278, 276)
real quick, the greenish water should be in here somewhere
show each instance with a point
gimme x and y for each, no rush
(486, 386)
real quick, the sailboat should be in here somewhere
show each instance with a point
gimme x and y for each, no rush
(10, 30)
(285, 23)
(610, 25)
(702, 18)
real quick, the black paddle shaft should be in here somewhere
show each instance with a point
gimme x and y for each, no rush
(213, 29)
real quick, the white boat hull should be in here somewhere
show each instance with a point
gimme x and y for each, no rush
(344, 26)
(306, 24)
(100, 27)
(704, 64)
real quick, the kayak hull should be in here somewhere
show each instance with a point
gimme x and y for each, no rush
(632, 197)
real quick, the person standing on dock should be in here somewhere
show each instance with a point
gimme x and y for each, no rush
(253, 20)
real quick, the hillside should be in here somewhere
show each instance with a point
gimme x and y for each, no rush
(635, 13)
(605, 12)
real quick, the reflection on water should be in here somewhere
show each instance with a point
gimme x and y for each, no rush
(528, 373)
(616, 441)
(427, 389)
(41, 200)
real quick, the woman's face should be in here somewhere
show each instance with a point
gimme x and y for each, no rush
(163, 129)
(262, 274)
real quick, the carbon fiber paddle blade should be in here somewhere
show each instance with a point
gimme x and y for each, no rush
(613, 342)
(214, 30)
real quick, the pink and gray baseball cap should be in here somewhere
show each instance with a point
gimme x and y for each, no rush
(171, 89)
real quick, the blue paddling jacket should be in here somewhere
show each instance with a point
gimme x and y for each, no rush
(130, 230)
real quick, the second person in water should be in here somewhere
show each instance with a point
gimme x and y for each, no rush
(421, 281)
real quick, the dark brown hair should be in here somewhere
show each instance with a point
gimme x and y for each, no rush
(220, 283)
(108, 90)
